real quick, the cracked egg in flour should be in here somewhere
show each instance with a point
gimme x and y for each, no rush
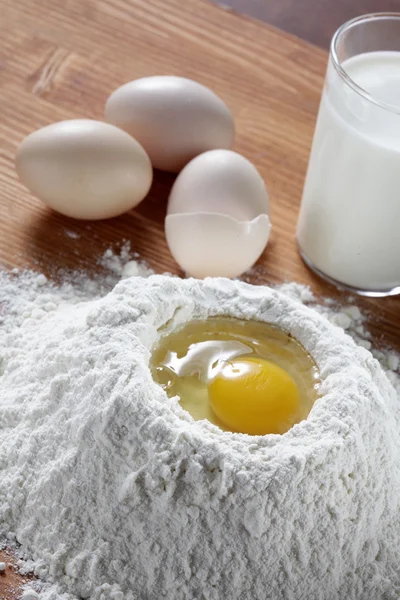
(244, 376)
(135, 498)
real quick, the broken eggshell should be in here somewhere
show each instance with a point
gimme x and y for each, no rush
(217, 222)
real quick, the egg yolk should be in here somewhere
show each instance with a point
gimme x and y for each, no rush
(254, 396)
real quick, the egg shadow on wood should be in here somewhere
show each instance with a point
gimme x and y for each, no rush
(56, 242)
(260, 273)
(154, 206)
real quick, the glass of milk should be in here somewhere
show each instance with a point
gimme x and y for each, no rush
(349, 223)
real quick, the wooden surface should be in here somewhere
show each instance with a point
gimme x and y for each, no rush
(60, 59)
(11, 580)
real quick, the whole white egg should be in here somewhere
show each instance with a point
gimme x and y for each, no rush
(217, 220)
(85, 169)
(174, 118)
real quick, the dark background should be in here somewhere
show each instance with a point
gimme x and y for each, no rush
(311, 20)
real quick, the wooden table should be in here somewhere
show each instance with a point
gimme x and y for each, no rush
(60, 59)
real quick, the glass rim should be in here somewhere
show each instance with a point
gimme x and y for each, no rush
(337, 63)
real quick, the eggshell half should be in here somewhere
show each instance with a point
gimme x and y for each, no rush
(85, 169)
(174, 118)
(217, 218)
(216, 245)
(220, 181)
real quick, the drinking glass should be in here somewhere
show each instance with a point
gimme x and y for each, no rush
(349, 223)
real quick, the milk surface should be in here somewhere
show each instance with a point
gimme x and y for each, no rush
(350, 215)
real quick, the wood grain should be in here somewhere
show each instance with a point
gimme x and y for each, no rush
(60, 59)
(11, 581)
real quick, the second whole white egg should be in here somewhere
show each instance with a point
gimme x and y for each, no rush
(174, 118)
(217, 222)
(85, 169)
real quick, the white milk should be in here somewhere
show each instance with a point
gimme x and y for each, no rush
(349, 223)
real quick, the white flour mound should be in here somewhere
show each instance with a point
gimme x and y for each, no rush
(116, 493)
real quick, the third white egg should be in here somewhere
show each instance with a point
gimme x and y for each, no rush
(174, 118)
(85, 169)
(218, 215)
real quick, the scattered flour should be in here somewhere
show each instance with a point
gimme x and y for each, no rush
(115, 493)
(30, 594)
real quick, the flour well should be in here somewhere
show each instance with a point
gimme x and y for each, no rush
(115, 493)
